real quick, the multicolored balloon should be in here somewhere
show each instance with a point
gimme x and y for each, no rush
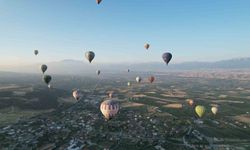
(146, 46)
(109, 108)
(77, 94)
(138, 79)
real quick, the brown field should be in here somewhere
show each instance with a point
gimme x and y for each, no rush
(175, 106)
(227, 101)
(130, 104)
(232, 92)
(164, 114)
(19, 93)
(243, 118)
(150, 92)
(160, 99)
(67, 100)
(123, 91)
(139, 95)
(7, 87)
(152, 109)
(175, 93)
(161, 102)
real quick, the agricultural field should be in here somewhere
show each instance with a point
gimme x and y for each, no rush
(151, 115)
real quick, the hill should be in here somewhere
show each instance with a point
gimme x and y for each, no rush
(81, 67)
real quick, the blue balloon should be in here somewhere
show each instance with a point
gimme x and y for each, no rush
(167, 57)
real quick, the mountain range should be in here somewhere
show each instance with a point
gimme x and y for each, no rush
(82, 67)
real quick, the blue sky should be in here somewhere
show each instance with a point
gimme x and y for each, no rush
(116, 30)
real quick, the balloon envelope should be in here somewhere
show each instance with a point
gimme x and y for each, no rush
(90, 56)
(98, 1)
(77, 94)
(44, 68)
(147, 46)
(190, 102)
(167, 57)
(47, 79)
(151, 79)
(200, 110)
(214, 110)
(98, 72)
(138, 79)
(109, 108)
(36, 52)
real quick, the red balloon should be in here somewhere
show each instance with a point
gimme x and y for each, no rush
(151, 79)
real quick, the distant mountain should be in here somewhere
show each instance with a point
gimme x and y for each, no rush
(80, 67)
(239, 63)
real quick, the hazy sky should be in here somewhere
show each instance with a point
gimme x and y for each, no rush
(116, 30)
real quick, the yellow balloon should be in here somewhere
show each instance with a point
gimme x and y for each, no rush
(214, 110)
(200, 110)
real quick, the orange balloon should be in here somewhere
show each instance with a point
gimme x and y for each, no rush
(190, 102)
(98, 1)
(146, 46)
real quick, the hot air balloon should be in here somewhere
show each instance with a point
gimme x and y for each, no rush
(128, 70)
(151, 79)
(190, 102)
(147, 46)
(111, 94)
(128, 83)
(77, 94)
(44, 68)
(200, 110)
(47, 79)
(90, 56)
(167, 57)
(98, 72)
(109, 108)
(214, 110)
(98, 1)
(138, 79)
(36, 52)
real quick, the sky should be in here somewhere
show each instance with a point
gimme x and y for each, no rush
(116, 30)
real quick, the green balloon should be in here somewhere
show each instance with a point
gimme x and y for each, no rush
(47, 79)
